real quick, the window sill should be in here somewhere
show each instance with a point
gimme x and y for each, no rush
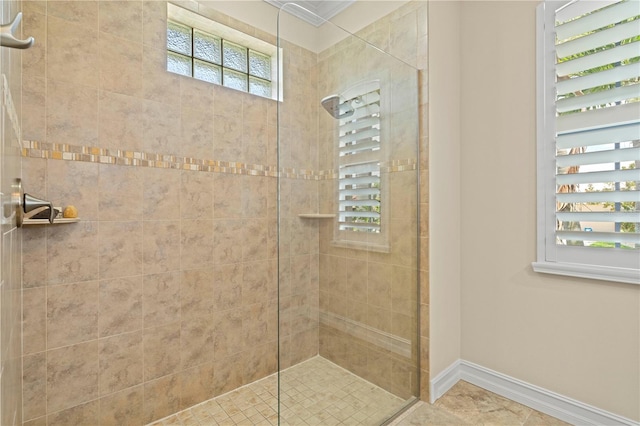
(620, 275)
(357, 245)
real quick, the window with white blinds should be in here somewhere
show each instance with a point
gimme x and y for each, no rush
(589, 139)
(359, 161)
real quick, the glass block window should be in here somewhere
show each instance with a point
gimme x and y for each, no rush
(195, 53)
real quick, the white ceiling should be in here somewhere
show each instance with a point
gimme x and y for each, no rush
(321, 10)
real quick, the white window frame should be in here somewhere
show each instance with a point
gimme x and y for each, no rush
(609, 264)
(371, 241)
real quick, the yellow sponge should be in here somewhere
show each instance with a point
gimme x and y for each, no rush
(70, 212)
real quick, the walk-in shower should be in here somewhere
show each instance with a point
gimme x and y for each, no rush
(348, 285)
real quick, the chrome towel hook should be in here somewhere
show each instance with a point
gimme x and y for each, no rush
(7, 38)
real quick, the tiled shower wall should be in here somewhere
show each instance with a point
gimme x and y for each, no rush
(364, 289)
(164, 294)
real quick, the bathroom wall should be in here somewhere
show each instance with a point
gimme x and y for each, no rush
(364, 290)
(10, 235)
(164, 293)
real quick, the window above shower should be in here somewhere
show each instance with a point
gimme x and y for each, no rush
(204, 49)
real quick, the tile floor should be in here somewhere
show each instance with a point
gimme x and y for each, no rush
(319, 393)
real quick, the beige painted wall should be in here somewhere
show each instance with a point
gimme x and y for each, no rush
(444, 188)
(576, 337)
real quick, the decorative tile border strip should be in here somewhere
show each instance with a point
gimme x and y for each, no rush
(90, 154)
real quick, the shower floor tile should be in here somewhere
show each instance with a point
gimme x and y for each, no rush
(314, 392)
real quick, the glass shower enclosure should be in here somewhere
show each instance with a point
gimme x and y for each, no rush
(347, 227)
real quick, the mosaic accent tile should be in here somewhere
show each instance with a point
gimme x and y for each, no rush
(91, 154)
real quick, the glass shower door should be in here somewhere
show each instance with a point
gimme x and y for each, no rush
(348, 209)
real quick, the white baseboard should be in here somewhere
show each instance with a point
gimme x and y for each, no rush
(543, 400)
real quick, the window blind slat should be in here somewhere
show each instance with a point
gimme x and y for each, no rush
(597, 19)
(575, 9)
(365, 180)
(354, 137)
(597, 118)
(595, 60)
(598, 157)
(601, 38)
(359, 124)
(598, 177)
(599, 197)
(614, 134)
(360, 157)
(617, 94)
(358, 192)
(359, 203)
(611, 237)
(366, 144)
(610, 76)
(369, 226)
(598, 216)
(346, 214)
(359, 168)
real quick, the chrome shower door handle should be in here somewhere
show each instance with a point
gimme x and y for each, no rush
(7, 37)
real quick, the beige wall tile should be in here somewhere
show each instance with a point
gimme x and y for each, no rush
(196, 342)
(120, 245)
(119, 193)
(34, 257)
(161, 246)
(196, 384)
(227, 241)
(34, 320)
(72, 375)
(197, 135)
(120, 62)
(158, 85)
(161, 351)
(86, 414)
(120, 305)
(34, 385)
(72, 50)
(227, 287)
(197, 294)
(34, 104)
(72, 113)
(228, 337)
(72, 314)
(227, 196)
(122, 19)
(154, 23)
(196, 244)
(120, 121)
(161, 127)
(120, 362)
(196, 195)
(161, 194)
(124, 407)
(161, 398)
(161, 299)
(227, 373)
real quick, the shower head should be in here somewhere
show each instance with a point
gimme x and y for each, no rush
(336, 108)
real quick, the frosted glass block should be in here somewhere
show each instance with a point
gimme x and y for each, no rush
(207, 72)
(179, 38)
(234, 56)
(178, 64)
(235, 80)
(259, 65)
(259, 87)
(206, 47)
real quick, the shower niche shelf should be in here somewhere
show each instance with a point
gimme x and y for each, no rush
(317, 215)
(56, 221)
